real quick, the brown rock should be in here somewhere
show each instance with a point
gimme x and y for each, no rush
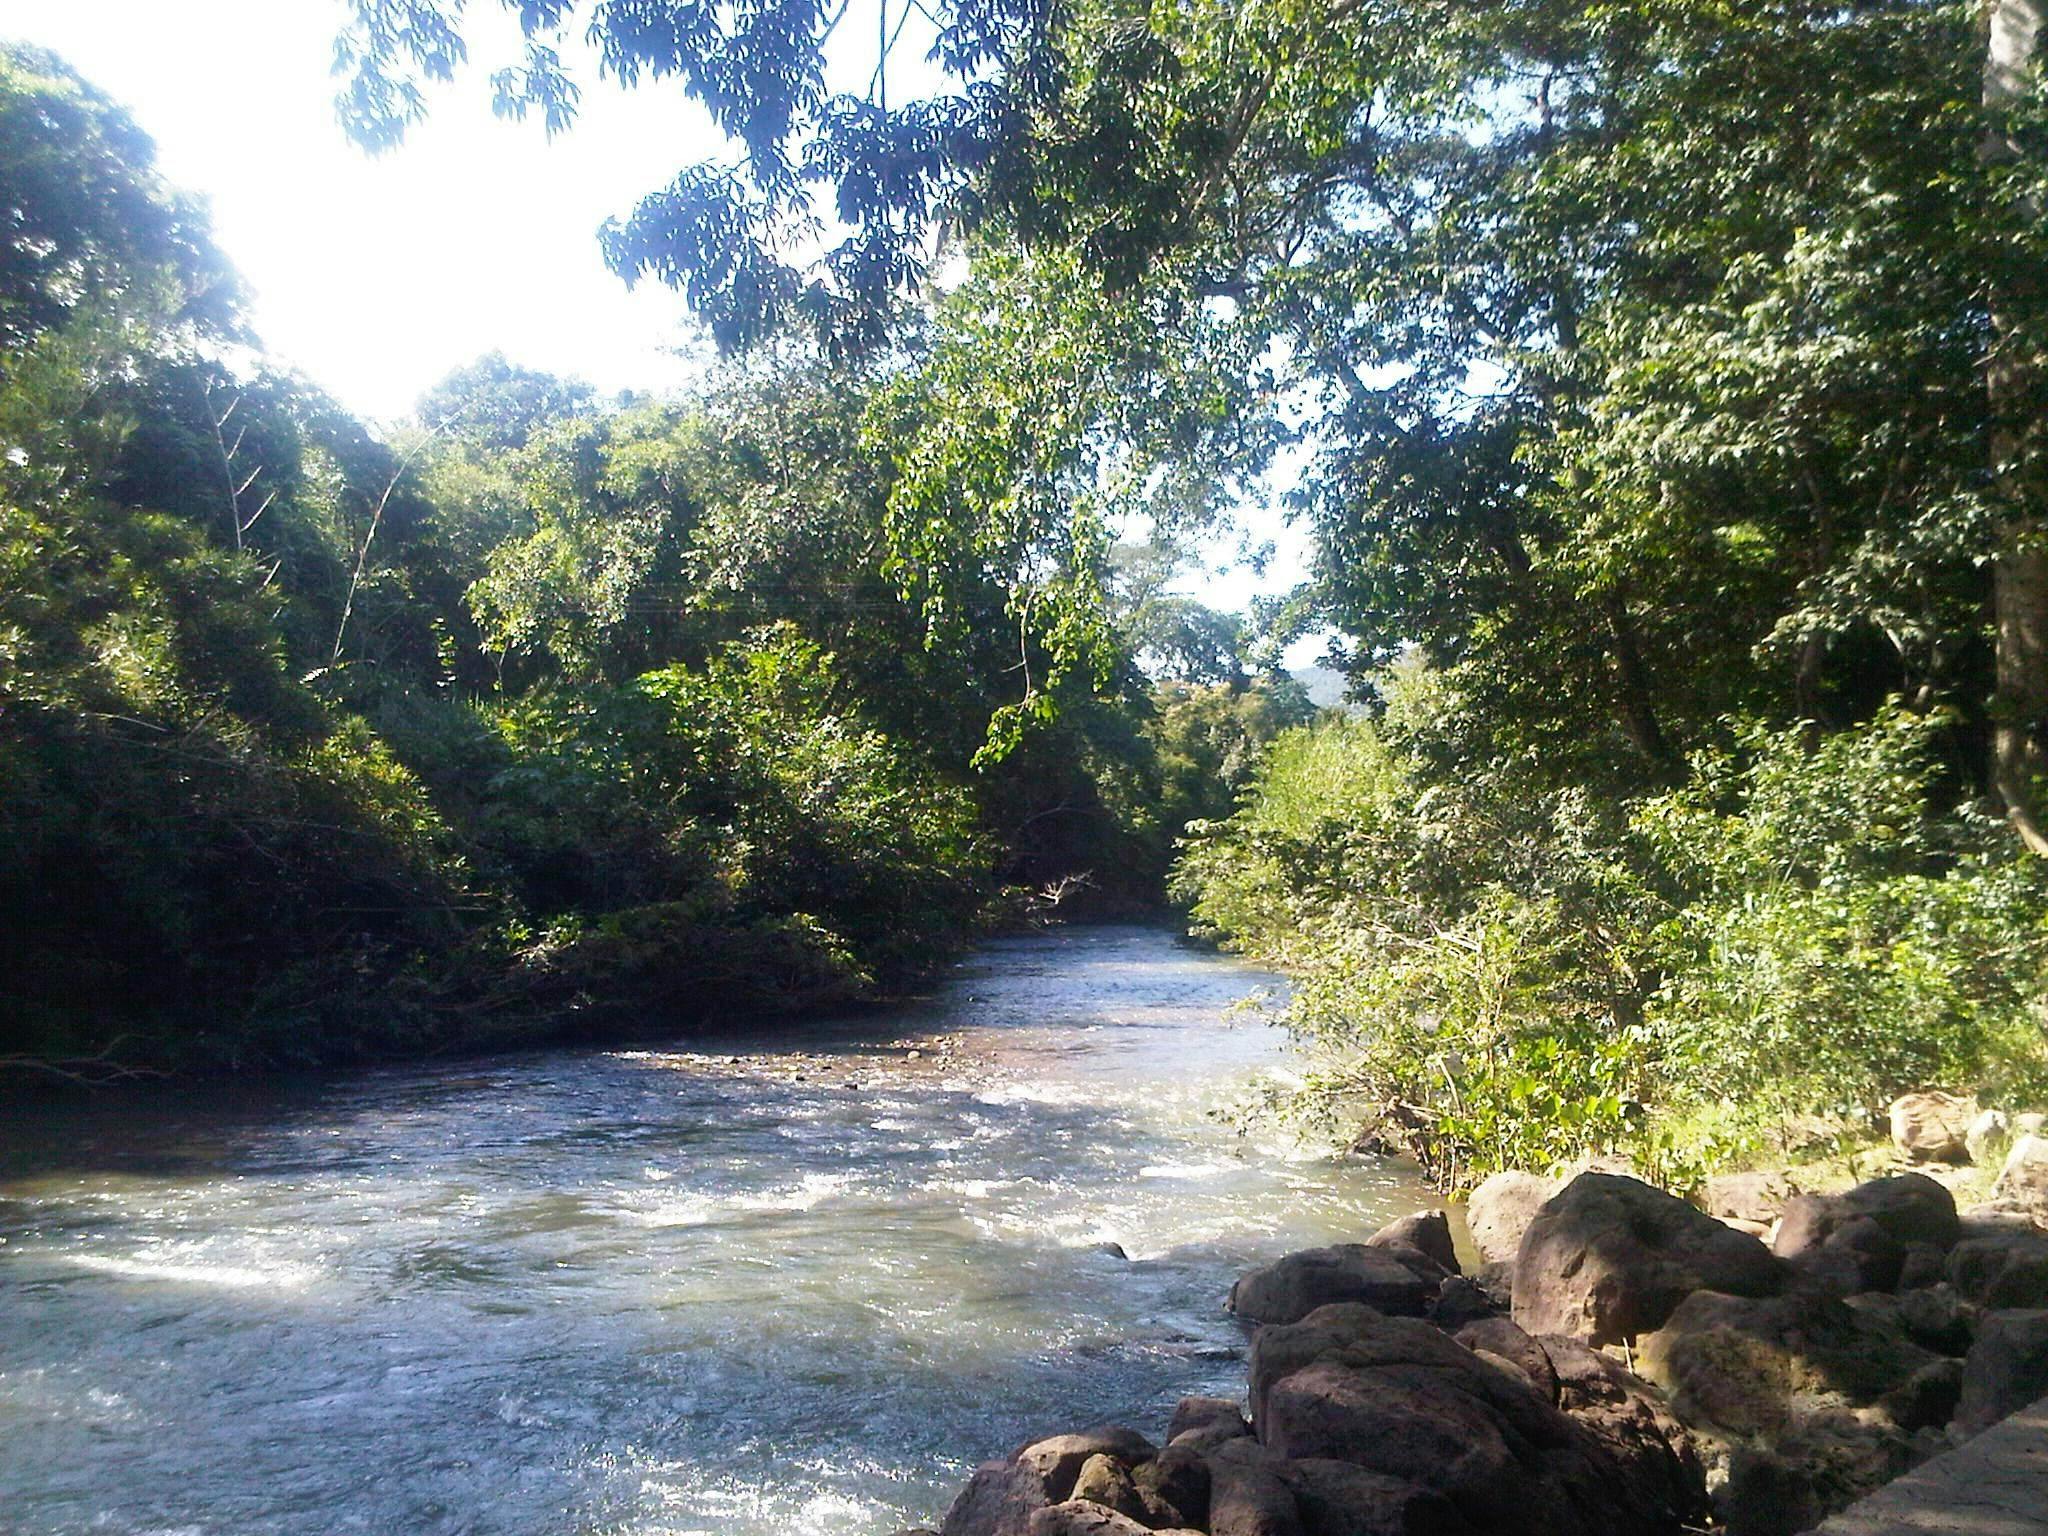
(999, 1500)
(1336, 1498)
(1500, 1336)
(1631, 1420)
(1289, 1289)
(2006, 1369)
(1426, 1232)
(1499, 1211)
(1610, 1257)
(1399, 1399)
(1750, 1197)
(1247, 1496)
(1909, 1208)
(1932, 1127)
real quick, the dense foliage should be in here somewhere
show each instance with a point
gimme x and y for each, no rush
(550, 712)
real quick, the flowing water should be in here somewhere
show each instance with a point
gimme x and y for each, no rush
(737, 1290)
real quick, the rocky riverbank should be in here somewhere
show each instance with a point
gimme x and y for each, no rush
(1602, 1358)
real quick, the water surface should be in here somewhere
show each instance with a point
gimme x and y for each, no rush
(725, 1289)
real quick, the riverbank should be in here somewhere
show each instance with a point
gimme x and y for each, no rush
(1594, 1355)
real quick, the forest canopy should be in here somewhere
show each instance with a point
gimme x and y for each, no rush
(1662, 383)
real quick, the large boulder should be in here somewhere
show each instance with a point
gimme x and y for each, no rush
(2006, 1369)
(2023, 1182)
(1289, 1289)
(1609, 1257)
(1398, 1399)
(1932, 1127)
(1908, 1208)
(1425, 1232)
(1499, 1211)
(1746, 1366)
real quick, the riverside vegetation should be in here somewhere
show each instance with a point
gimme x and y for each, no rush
(1662, 383)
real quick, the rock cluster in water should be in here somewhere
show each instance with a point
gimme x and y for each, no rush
(1622, 1363)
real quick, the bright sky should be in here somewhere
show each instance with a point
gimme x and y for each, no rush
(376, 277)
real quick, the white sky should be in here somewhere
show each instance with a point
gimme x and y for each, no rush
(376, 277)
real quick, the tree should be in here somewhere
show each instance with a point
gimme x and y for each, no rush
(2016, 375)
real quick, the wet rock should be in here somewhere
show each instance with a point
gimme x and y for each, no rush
(1753, 1366)
(1987, 1136)
(1425, 1232)
(2006, 1271)
(1057, 1461)
(1748, 1197)
(1078, 1517)
(1104, 1480)
(2006, 1369)
(1908, 1208)
(1932, 1127)
(1819, 1466)
(1173, 1487)
(1610, 1257)
(1499, 1212)
(1289, 1289)
(2023, 1182)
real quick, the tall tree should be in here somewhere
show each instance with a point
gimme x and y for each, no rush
(2015, 376)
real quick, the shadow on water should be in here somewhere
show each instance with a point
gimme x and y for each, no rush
(736, 1289)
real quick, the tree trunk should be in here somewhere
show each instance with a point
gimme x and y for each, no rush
(2014, 374)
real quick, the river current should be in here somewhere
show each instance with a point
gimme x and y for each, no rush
(734, 1289)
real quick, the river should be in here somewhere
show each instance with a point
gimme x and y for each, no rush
(734, 1289)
